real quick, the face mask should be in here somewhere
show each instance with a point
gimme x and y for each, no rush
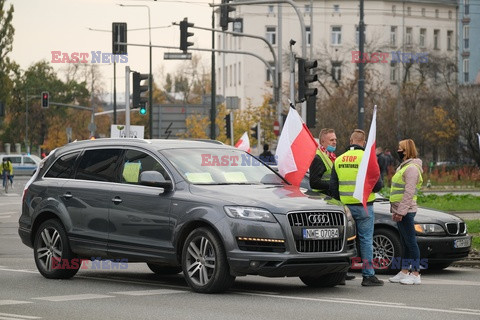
(401, 155)
(331, 148)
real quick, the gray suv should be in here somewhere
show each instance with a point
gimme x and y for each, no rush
(207, 209)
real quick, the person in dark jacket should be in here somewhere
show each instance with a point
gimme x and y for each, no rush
(266, 155)
(321, 166)
(342, 187)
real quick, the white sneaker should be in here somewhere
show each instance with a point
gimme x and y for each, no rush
(411, 279)
(400, 276)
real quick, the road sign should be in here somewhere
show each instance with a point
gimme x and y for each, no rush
(177, 56)
(118, 131)
(276, 128)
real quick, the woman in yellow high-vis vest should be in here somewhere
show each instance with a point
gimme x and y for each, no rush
(406, 183)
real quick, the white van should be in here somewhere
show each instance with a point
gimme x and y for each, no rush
(23, 164)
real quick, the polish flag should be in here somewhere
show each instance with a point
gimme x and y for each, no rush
(243, 143)
(296, 148)
(369, 172)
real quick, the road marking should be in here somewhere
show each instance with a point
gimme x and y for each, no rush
(10, 302)
(148, 292)
(8, 213)
(16, 316)
(366, 303)
(470, 310)
(18, 270)
(450, 282)
(120, 280)
(86, 296)
(369, 301)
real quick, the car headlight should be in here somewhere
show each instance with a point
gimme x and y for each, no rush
(429, 229)
(249, 213)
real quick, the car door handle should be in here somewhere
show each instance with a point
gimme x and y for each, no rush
(117, 200)
(67, 195)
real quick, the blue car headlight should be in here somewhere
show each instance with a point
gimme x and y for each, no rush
(249, 213)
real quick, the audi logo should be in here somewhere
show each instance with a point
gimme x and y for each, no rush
(319, 218)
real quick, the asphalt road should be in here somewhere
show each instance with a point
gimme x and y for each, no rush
(137, 293)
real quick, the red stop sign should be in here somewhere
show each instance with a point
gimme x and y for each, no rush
(276, 128)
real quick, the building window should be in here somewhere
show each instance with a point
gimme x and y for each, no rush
(449, 14)
(437, 13)
(357, 35)
(225, 75)
(219, 78)
(308, 34)
(231, 76)
(272, 35)
(409, 11)
(449, 40)
(466, 7)
(466, 37)
(393, 36)
(394, 9)
(307, 8)
(393, 72)
(336, 8)
(466, 66)
(423, 34)
(269, 76)
(270, 9)
(336, 36)
(436, 39)
(408, 36)
(408, 66)
(423, 12)
(336, 70)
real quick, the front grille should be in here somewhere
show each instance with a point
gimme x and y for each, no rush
(304, 219)
(456, 228)
(317, 219)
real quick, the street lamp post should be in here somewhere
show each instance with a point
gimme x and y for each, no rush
(150, 102)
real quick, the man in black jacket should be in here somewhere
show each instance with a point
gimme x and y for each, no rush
(321, 166)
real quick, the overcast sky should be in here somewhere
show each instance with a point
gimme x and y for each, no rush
(43, 26)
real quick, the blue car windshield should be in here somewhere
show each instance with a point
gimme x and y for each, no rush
(220, 166)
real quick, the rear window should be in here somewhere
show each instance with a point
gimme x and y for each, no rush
(15, 160)
(63, 167)
(28, 160)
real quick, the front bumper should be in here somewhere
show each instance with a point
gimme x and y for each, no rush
(442, 249)
(288, 265)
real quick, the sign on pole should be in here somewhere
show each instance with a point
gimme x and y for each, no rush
(118, 131)
(177, 56)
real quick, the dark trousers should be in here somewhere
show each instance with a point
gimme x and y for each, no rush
(406, 227)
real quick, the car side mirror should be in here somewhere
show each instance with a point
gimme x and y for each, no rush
(155, 179)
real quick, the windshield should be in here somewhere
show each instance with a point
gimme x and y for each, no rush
(220, 166)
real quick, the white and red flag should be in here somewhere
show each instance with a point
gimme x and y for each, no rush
(243, 143)
(369, 171)
(296, 148)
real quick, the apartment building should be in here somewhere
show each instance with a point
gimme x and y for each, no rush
(468, 43)
(422, 28)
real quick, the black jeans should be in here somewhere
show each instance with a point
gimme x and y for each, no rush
(411, 252)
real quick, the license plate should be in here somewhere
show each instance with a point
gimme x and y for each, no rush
(461, 243)
(320, 234)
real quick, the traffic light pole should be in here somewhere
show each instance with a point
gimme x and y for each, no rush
(127, 101)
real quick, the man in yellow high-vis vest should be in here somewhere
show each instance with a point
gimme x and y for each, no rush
(322, 164)
(342, 187)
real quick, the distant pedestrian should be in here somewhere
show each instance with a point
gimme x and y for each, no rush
(382, 162)
(266, 155)
(406, 183)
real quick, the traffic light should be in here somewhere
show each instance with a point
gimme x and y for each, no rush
(305, 77)
(254, 133)
(228, 129)
(45, 101)
(139, 100)
(225, 10)
(184, 34)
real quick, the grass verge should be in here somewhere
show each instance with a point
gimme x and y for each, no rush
(473, 227)
(450, 202)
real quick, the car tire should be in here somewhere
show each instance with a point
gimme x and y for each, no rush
(327, 280)
(51, 243)
(386, 247)
(163, 269)
(204, 262)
